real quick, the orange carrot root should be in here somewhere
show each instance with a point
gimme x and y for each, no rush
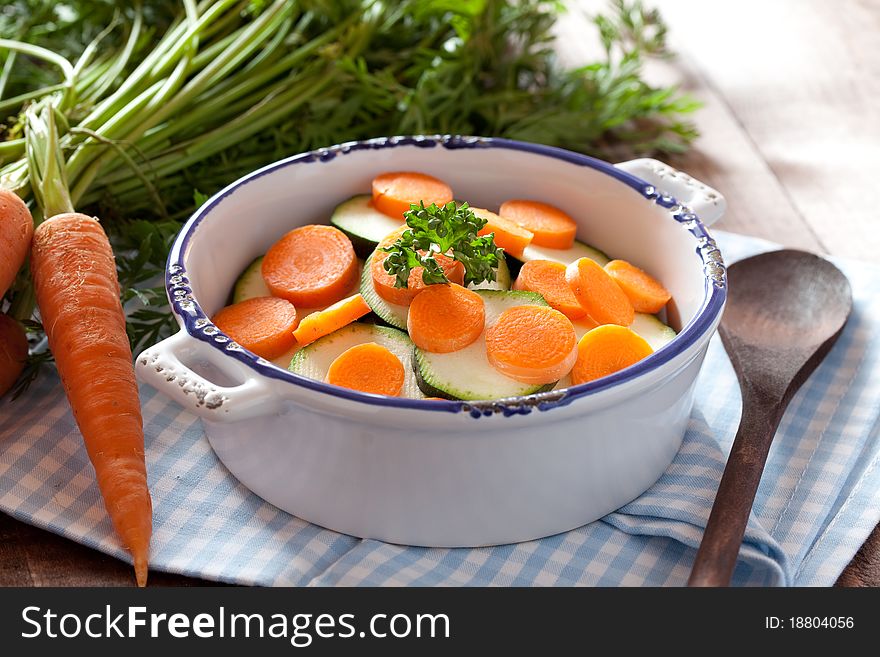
(605, 350)
(532, 344)
(311, 266)
(263, 325)
(16, 231)
(368, 367)
(141, 570)
(597, 292)
(13, 352)
(548, 279)
(77, 290)
(550, 226)
(332, 318)
(645, 293)
(446, 318)
(509, 235)
(394, 192)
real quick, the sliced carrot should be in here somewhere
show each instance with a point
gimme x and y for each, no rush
(509, 235)
(606, 350)
(597, 292)
(16, 231)
(550, 225)
(368, 367)
(394, 192)
(77, 289)
(311, 266)
(446, 318)
(403, 296)
(263, 325)
(645, 293)
(332, 318)
(532, 344)
(548, 279)
(13, 352)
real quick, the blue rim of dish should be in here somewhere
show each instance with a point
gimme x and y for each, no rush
(199, 326)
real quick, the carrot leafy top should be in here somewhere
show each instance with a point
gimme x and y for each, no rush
(450, 229)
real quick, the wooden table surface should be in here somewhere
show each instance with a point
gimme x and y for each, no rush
(790, 135)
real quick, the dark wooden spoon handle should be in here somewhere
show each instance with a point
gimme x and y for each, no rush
(716, 557)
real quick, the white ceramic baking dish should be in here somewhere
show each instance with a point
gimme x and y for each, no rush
(444, 473)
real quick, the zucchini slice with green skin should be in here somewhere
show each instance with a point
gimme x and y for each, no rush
(251, 284)
(466, 373)
(565, 256)
(390, 313)
(314, 360)
(363, 224)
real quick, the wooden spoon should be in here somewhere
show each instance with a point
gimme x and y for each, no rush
(784, 311)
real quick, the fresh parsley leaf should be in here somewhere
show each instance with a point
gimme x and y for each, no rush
(449, 229)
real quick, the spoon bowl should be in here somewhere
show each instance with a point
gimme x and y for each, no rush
(785, 310)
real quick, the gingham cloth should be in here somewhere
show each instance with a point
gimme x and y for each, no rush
(818, 501)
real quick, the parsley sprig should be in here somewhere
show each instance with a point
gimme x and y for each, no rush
(449, 229)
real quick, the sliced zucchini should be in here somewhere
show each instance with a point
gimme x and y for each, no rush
(364, 225)
(314, 360)
(502, 279)
(467, 373)
(655, 332)
(565, 256)
(251, 284)
(390, 313)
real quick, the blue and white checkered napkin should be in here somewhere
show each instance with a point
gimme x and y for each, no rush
(819, 500)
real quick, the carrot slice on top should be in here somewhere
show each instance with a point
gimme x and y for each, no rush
(597, 292)
(550, 225)
(311, 266)
(332, 318)
(605, 350)
(395, 191)
(383, 282)
(532, 344)
(446, 318)
(509, 235)
(263, 325)
(645, 293)
(368, 367)
(548, 279)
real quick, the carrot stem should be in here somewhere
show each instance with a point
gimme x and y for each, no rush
(46, 55)
(45, 162)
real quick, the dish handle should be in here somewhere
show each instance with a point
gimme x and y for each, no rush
(163, 366)
(708, 204)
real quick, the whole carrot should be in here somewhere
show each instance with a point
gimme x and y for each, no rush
(16, 229)
(77, 290)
